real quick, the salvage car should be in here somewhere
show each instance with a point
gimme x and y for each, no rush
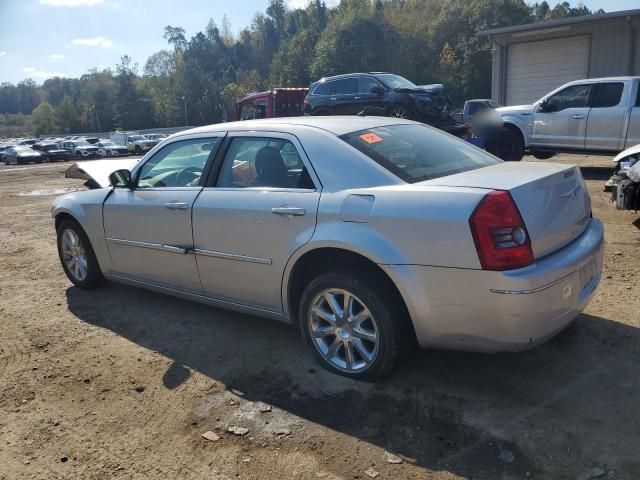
(51, 151)
(21, 154)
(391, 94)
(80, 149)
(279, 102)
(107, 148)
(368, 233)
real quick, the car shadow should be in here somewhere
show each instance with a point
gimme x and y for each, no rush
(549, 411)
(597, 173)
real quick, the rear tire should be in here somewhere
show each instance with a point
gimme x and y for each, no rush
(321, 113)
(78, 156)
(363, 345)
(77, 257)
(138, 150)
(109, 153)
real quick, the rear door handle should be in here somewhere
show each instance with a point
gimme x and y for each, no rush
(578, 117)
(176, 206)
(287, 210)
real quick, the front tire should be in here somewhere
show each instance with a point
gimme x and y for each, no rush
(543, 155)
(138, 150)
(511, 147)
(353, 327)
(77, 257)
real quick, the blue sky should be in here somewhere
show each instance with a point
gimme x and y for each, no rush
(44, 38)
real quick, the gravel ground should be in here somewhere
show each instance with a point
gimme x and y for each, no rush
(122, 383)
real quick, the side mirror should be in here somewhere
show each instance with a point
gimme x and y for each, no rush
(121, 179)
(377, 89)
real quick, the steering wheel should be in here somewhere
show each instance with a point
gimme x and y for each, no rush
(187, 175)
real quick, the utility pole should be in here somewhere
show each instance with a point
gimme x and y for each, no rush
(184, 99)
(97, 119)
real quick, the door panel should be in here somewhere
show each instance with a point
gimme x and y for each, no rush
(140, 229)
(242, 247)
(344, 95)
(262, 208)
(605, 126)
(563, 124)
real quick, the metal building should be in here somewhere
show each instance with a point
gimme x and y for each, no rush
(531, 60)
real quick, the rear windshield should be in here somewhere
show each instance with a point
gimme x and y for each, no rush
(416, 153)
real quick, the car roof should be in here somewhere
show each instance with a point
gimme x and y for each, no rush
(337, 124)
(347, 75)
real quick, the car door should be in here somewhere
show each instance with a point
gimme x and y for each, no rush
(606, 121)
(148, 228)
(561, 120)
(365, 97)
(343, 99)
(249, 220)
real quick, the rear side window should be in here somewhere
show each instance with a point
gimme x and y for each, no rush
(415, 153)
(607, 95)
(346, 86)
(324, 89)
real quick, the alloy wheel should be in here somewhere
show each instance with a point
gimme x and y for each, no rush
(399, 113)
(74, 254)
(343, 330)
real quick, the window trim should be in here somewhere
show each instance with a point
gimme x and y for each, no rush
(216, 168)
(220, 136)
(595, 90)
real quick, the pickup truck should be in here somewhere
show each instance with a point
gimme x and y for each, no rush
(599, 116)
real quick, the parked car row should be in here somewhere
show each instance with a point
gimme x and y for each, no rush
(54, 149)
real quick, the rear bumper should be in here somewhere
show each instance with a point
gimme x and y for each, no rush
(480, 310)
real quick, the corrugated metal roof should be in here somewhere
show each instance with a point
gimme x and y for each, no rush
(562, 22)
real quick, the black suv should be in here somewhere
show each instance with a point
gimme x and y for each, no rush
(381, 94)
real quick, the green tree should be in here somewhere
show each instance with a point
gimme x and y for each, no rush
(43, 119)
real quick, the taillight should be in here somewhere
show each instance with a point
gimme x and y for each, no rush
(306, 104)
(499, 233)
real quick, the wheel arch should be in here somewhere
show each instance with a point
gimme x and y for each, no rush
(516, 125)
(325, 258)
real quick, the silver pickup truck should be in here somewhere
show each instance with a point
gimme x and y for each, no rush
(594, 116)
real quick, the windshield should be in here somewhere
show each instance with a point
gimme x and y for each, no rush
(83, 144)
(416, 153)
(493, 104)
(395, 81)
(22, 149)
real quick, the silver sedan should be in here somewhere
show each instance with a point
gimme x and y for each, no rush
(370, 234)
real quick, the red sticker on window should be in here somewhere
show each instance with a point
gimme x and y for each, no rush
(370, 138)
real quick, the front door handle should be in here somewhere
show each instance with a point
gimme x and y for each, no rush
(578, 117)
(176, 206)
(288, 210)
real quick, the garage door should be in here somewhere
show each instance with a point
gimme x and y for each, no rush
(536, 68)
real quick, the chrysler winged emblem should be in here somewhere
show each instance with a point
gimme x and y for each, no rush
(570, 194)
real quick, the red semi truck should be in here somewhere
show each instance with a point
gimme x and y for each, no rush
(279, 102)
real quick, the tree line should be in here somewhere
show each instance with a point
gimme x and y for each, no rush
(198, 80)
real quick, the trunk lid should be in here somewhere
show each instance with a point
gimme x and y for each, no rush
(552, 198)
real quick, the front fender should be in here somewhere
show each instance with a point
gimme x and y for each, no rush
(85, 207)
(519, 123)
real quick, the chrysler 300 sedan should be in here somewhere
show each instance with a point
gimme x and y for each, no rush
(369, 234)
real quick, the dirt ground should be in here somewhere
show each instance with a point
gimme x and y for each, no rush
(121, 383)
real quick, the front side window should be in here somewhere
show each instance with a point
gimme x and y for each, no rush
(263, 162)
(574, 96)
(365, 84)
(415, 153)
(179, 164)
(261, 109)
(607, 95)
(247, 112)
(395, 81)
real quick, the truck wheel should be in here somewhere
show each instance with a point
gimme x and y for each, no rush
(398, 111)
(108, 153)
(511, 147)
(543, 155)
(78, 156)
(138, 150)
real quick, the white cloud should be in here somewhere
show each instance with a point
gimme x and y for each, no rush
(70, 3)
(3, 53)
(56, 56)
(41, 74)
(93, 42)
